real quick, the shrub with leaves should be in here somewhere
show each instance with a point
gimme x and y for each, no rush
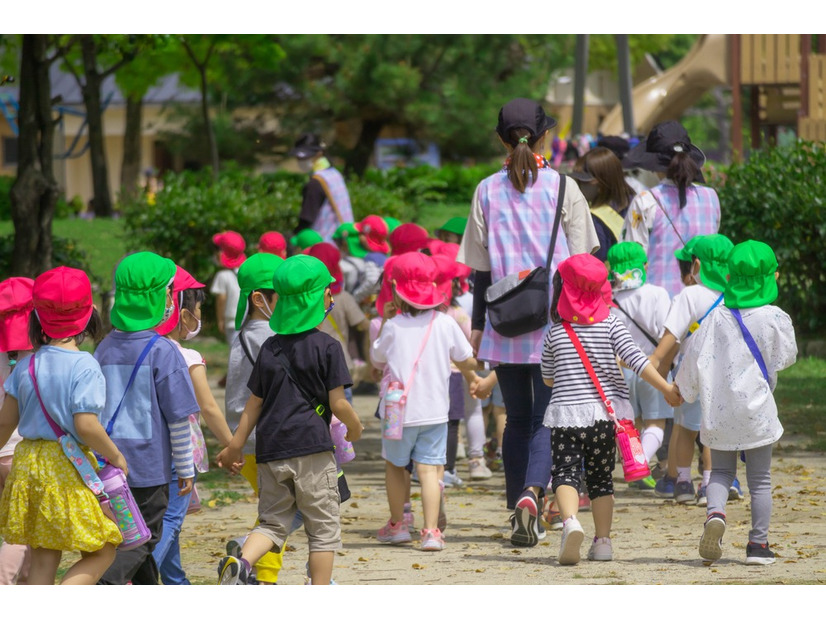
(778, 197)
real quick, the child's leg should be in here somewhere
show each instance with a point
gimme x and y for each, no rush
(269, 566)
(14, 559)
(452, 445)
(44, 567)
(685, 453)
(173, 521)
(321, 567)
(671, 472)
(397, 483)
(722, 475)
(652, 437)
(567, 470)
(429, 480)
(255, 546)
(758, 476)
(90, 568)
(475, 425)
(600, 457)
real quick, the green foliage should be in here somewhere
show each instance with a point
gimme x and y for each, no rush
(66, 252)
(63, 209)
(423, 185)
(777, 197)
(801, 400)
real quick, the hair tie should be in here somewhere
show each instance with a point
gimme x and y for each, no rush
(523, 140)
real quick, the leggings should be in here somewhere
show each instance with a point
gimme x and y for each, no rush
(758, 476)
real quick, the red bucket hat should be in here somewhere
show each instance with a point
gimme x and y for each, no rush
(62, 299)
(328, 254)
(415, 277)
(15, 308)
(374, 230)
(232, 247)
(408, 238)
(446, 271)
(581, 300)
(386, 292)
(183, 281)
(273, 243)
(462, 271)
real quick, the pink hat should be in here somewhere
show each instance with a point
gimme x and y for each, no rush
(414, 277)
(15, 308)
(328, 254)
(608, 294)
(446, 267)
(183, 280)
(273, 243)
(581, 300)
(462, 271)
(232, 247)
(408, 238)
(435, 246)
(374, 230)
(62, 299)
(386, 292)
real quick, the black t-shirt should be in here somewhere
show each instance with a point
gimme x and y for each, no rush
(312, 199)
(288, 425)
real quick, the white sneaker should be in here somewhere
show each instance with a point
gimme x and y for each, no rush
(572, 537)
(452, 480)
(601, 550)
(478, 470)
(461, 452)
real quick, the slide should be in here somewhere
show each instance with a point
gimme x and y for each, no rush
(667, 95)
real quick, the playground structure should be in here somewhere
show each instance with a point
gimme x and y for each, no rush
(786, 81)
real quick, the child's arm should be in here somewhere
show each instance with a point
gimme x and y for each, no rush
(220, 306)
(344, 411)
(93, 435)
(484, 386)
(468, 368)
(669, 390)
(231, 456)
(214, 418)
(9, 419)
(663, 356)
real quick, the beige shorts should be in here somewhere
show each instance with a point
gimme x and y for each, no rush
(305, 483)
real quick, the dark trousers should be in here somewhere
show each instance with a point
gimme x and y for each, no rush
(137, 565)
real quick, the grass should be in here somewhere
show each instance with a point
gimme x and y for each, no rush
(432, 217)
(801, 401)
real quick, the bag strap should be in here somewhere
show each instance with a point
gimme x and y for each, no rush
(335, 327)
(329, 195)
(650, 338)
(751, 344)
(54, 426)
(587, 363)
(409, 381)
(557, 218)
(134, 374)
(665, 213)
(317, 406)
(245, 346)
(696, 325)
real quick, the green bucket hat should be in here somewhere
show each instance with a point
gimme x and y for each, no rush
(300, 282)
(627, 260)
(686, 252)
(348, 232)
(254, 273)
(141, 281)
(392, 223)
(305, 238)
(752, 265)
(455, 225)
(713, 251)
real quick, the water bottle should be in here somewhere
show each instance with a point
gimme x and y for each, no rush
(127, 514)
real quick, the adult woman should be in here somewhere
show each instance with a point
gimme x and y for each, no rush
(666, 217)
(509, 230)
(599, 175)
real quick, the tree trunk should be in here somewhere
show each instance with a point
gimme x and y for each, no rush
(131, 167)
(210, 132)
(357, 160)
(34, 193)
(102, 199)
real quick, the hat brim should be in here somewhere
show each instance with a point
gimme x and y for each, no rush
(639, 157)
(582, 176)
(303, 152)
(422, 299)
(231, 262)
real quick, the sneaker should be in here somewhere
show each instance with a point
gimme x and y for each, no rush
(711, 543)
(601, 550)
(757, 553)
(394, 534)
(734, 491)
(540, 530)
(234, 546)
(584, 503)
(432, 540)
(232, 571)
(442, 522)
(665, 487)
(461, 452)
(684, 492)
(551, 515)
(572, 537)
(478, 470)
(645, 484)
(408, 517)
(524, 520)
(452, 480)
(702, 500)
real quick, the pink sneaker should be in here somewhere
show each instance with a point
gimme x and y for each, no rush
(432, 540)
(394, 533)
(408, 517)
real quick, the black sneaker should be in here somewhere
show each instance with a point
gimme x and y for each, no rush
(232, 572)
(711, 543)
(524, 521)
(757, 553)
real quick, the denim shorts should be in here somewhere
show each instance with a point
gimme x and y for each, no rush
(689, 415)
(423, 444)
(646, 400)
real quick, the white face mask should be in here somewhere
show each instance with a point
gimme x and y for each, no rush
(267, 306)
(191, 334)
(305, 165)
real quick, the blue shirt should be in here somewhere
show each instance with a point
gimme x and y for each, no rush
(161, 395)
(70, 382)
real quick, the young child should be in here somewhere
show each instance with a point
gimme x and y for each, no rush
(46, 504)
(642, 307)
(149, 398)
(730, 366)
(417, 346)
(15, 308)
(273, 242)
(709, 257)
(296, 385)
(185, 324)
(581, 428)
(230, 254)
(304, 239)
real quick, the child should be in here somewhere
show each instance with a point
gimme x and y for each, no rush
(417, 347)
(230, 254)
(730, 365)
(373, 237)
(185, 324)
(297, 383)
(452, 230)
(304, 240)
(709, 256)
(273, 242)
(252, 320)
(46, 504)
(149, 398)
(15, 308)
(580, 426)
(642, 307)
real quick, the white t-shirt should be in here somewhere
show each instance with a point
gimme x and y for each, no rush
(648, 305)
(688, 307)
(397, 346)
(226, 283)
(739, 411)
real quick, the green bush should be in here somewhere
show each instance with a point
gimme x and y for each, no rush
(777, 197)
(65, 252)
(427, 185)
(63, 209)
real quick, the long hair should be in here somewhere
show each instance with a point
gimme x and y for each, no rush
(606, 169)
(522, 168)
(684, 171)
(557, 284)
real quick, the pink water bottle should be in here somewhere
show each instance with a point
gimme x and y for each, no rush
(344, 449)
(127, 514)
(634, 463)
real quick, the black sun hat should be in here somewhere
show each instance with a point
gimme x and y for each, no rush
(663, 142)
(525, 114)
(307, 145)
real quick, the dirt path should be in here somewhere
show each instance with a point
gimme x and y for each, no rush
(655, 541)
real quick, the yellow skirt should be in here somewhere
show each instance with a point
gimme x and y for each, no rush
(46, 505)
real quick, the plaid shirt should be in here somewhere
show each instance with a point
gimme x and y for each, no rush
(648, 224)
(327, 222)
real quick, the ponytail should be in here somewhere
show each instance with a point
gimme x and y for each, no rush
(684, 171)
(522, 168)
(557, 286)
